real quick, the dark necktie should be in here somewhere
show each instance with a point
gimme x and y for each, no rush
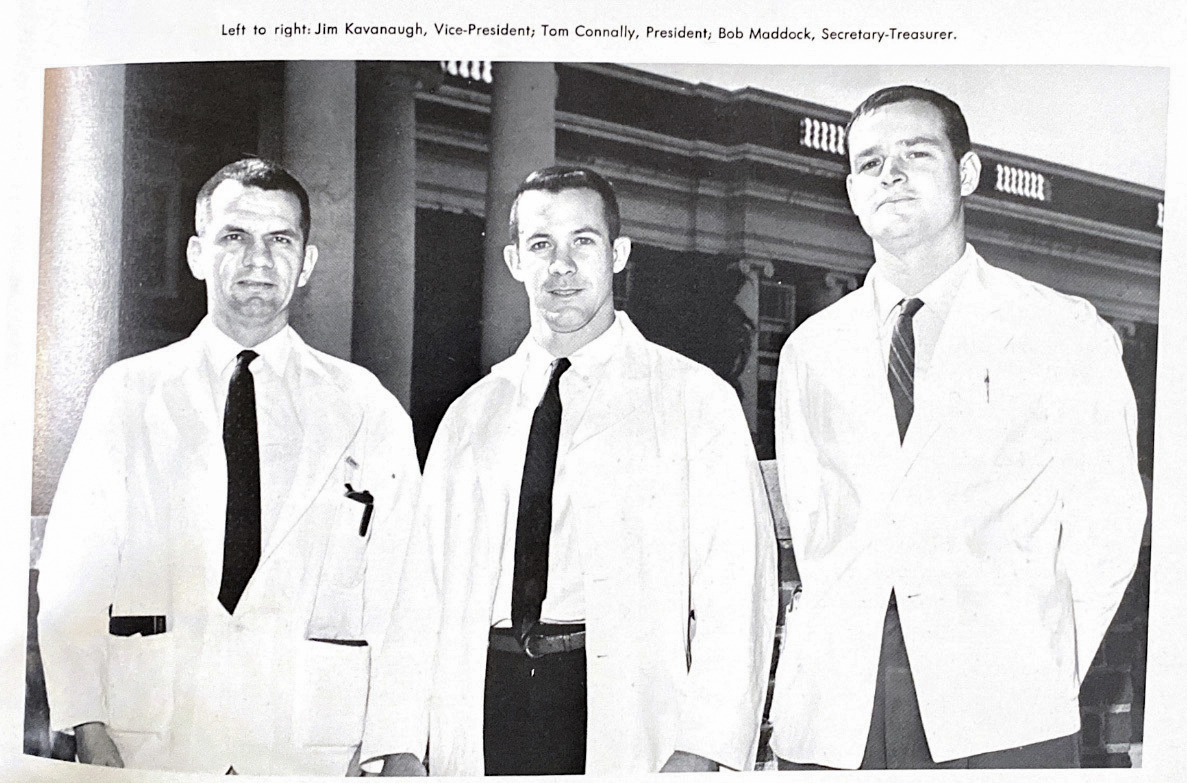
(900, 372)
(534, 525)
(241, 542)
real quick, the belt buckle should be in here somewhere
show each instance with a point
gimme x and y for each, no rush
(527, 647)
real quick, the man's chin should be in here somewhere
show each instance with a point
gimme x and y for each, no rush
(565, 322)
(893, 233)
(257, 311)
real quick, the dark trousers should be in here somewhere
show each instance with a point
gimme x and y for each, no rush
(896, 739)
(534, 714)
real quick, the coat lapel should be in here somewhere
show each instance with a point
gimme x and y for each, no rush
(975, 332)
(861, 368)
(185, 439)
(500, 438)
(330, 419)
(619, 389)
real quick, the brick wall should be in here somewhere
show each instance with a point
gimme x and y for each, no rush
(1113, 696)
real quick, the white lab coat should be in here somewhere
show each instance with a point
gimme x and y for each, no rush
(137, 526)
(671, 518)
(1007, 523)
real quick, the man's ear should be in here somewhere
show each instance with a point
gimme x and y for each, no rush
(511, 259)
(622, 251)
(307, 266)
(970, 173)
(195, 259)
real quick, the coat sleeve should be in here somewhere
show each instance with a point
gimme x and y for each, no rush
(1094, 422)
(79, 561)
(798, 462)
(733, 586)
(402, 674)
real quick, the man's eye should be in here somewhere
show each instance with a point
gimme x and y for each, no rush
(537, 246)
(233, 236)
(583, 241)
(282, 240)
(867, 165)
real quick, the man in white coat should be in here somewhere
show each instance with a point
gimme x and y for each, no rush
(647, 642)
(957, 455)
(221, 553)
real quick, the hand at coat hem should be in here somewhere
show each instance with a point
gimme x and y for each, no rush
(402, 765)
(683, 761)
(95, 746)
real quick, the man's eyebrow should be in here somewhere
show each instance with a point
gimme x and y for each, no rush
(914, 141)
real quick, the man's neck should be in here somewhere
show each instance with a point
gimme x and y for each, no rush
(568, 343)
(911, 270)
(249, 335)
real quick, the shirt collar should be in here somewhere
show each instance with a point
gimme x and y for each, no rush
(937, 296)
(222, 351)
(587, 361)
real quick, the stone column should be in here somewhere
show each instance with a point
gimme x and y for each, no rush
(385, 240)
(79, 278)
(748, 300)
(522, 139)
(319, 149)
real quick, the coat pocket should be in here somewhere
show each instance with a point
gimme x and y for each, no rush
(345, 560)
(338, 602)
(140, 680)
(330, 693)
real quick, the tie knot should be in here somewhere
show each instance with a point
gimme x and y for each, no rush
(558, 369)
(911, 306)
(245, 358)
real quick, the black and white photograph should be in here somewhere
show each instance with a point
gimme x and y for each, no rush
(548, 389)
(469, 417)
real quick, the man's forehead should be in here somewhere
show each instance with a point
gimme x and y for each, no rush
(542, 210)
(235, 197)
(905, 121)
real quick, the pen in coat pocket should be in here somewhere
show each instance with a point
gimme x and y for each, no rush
(368, 501)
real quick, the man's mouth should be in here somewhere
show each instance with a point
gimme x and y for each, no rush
(564, 292)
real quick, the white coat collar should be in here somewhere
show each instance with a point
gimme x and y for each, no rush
(613, 360)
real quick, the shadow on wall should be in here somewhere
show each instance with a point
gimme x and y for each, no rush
(687, 302)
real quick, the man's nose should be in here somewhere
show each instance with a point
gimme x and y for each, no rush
(257, 254)
(892, 170)
(562, 261)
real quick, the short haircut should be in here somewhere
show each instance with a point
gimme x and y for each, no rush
(955, 127)
(555, 179)
(252, 173)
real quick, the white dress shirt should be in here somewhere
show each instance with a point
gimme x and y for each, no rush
(277, 423)
(937, 297)
(565, 599)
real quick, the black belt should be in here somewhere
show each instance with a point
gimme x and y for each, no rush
(130, 625)
(538, 644)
